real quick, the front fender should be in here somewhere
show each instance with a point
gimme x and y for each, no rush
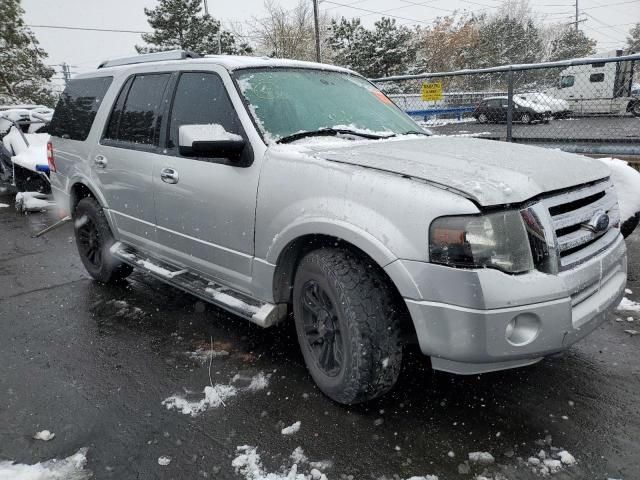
(357, 237)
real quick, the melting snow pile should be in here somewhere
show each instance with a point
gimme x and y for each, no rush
(70, 468)
(627, 183)
(549, 461)
(44, 435)
(627, 305)
(214, 396)
(249, 465)
(291, 429)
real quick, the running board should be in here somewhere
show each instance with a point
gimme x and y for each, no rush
(261, 313)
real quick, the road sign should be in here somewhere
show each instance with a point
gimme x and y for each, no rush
(431, 91)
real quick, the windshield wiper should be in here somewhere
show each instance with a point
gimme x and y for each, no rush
(331, 132)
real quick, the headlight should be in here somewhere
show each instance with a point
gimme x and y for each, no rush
(497, 240)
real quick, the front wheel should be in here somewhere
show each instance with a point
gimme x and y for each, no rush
(526, 118)
(635, 109)
(482, 118)
(348, 321)
(94, 241)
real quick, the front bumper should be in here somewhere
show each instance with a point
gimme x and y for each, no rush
(462, 316)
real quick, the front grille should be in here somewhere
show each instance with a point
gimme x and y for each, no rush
(571, 213)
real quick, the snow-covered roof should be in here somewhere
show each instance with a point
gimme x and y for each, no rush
(230, 62)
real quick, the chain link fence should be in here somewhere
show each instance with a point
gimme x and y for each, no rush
(589, 106)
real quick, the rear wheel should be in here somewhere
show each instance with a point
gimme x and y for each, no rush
(94, 241)
(634, 108)
(526, 118)
(348, 321)
(482, 118)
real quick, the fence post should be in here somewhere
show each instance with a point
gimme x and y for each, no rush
(510, 106)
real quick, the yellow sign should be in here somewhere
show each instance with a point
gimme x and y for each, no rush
(431, 91)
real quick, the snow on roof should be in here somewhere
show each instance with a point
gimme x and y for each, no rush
(230, 62)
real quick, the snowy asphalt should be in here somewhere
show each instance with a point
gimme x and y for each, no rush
(93, 364)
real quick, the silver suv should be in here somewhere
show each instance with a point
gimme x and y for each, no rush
(268, 186)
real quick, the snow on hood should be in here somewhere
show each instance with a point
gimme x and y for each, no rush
(487, 171)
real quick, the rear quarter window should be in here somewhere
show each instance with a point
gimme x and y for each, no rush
(78, 106)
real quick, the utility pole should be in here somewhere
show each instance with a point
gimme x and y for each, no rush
(206, 12)
(206, 7)
(66, 73)
(577, 13)
(315, 19)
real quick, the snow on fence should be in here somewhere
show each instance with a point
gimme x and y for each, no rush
(587, 105)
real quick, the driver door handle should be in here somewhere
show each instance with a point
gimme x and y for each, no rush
(169, 175)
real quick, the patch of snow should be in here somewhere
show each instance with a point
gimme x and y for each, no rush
(164, 460)
(44, 435)
(212, 132)
(627, 184)
(298, 456)
(3, 205)
(632, 332)
(213, 398)
(628, 291)
(291, 429)
(566, 458)
(70, 468)
(258, 382)
(627, 305)
(482, 458)
(152, 267)
(203, 356)
(249, 465)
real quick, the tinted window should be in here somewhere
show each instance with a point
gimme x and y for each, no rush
(495, 103)
(201, 99)
(78, 106)
(136, 114)
(567, 81)
(596, 77)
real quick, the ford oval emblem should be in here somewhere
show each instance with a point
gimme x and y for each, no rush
(598, 223)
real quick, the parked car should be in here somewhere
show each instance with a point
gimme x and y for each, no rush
(559, 108)
(494, 110)
(266, 186)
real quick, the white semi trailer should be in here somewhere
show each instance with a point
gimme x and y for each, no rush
(599, 88)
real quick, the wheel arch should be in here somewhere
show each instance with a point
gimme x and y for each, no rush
(291, 255)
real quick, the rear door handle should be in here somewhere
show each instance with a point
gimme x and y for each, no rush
(100, 161)
(169, 175)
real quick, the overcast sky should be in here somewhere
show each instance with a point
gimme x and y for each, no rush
(607, 21)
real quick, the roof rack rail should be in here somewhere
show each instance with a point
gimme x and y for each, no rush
(150, 57)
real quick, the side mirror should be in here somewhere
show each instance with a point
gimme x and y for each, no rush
(210, 140)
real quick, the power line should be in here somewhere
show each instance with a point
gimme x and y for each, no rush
(377, 12)
(612, 4)
(87, 29)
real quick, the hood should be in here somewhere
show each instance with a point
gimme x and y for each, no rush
(489, 172)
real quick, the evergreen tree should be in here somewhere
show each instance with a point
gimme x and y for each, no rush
(179, 24)
(633, 40)
(24, 77)
(504, 40)
(571, 43)
(386, 50)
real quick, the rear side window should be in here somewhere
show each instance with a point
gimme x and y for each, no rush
(596, 77)
(77, 107)
(136, 115)
(496, 102)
